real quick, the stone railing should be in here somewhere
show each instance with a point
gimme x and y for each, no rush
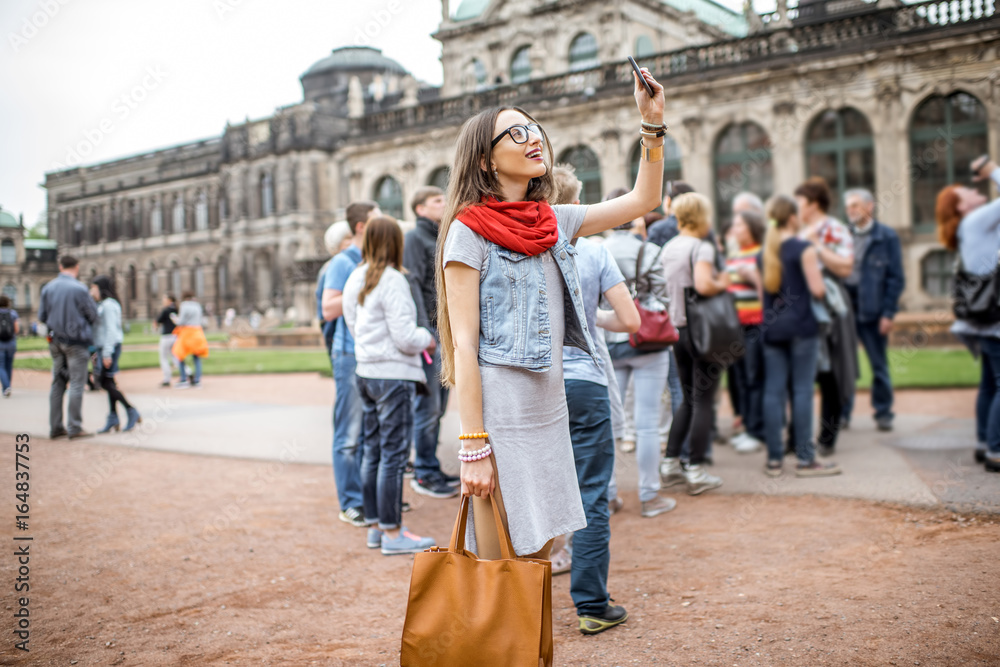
(872, 29)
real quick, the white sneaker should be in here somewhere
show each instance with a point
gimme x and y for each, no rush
(699, 481)
(746, 444)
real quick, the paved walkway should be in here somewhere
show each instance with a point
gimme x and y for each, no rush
(926, 462)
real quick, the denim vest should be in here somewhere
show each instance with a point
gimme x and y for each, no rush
(514, 327)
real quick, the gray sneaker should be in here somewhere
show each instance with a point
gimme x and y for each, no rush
(671, 473)
(699, 481)
(374, 538)
(406, 543)
(658, 505)
(817, 469)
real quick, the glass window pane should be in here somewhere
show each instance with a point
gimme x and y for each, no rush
(588, 170)
(520, 65)
(742, 162)
(643, 46)
(966, 109)
(930, 113)
(824, 127)
(855, 123)
(440, 177)
(389, 196)
(583, 52)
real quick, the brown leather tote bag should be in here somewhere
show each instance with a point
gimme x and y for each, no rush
(466, 612)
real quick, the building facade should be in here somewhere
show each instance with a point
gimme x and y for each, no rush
(896, 98)
(26, 264)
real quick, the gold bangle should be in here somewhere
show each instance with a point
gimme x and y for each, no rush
(474, 436)
(654, 154)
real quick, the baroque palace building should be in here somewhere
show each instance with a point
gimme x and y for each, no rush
(898, 98)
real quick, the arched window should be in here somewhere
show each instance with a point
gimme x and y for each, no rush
(266, 194)
(222, 279)
(937, 272)
(440, 177)
(742, 162)
(201, 211)
(130, 280)
(839, 148)
(643, 46)
(175, 280)
(130, 217)
(198, 279)
(112, 234)
(588, 170)
(583, 52)
(520, 65)
(27, 296)
(154, 281)
(389, 196)
(946, 134)
(223, 204)
(10, 292)
(8, 252)
(479, 75)
(77, 229)
(156, 219)
(671, 160)
(94, 228)
(178, 225)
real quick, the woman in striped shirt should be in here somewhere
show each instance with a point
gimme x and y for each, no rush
(746, 376)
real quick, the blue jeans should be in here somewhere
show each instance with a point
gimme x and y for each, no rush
(794, 361)
(988, 400)
(650, 377)
(197, 369)
(752, 364)
(875, 345)
(7, 350)
(387, 426)
(346, 432)
(427, 411)
(594, 452)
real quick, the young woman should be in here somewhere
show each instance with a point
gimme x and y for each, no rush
(508, 300)
(9, 328)
(382, 318)
(190, 339)
(792, 279)
(108, 337)
(746, 376)
(834, 248)
(689, 261)
(967, 223)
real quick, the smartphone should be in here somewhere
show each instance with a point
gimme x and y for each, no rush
(976, 165)
(635, 66)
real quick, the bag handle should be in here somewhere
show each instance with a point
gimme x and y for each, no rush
(457, 544)
(638, 265)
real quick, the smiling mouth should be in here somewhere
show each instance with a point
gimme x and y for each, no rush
(535, 154)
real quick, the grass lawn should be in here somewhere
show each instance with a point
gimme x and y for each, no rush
(39, 343)
(923, 368)
(220, 362)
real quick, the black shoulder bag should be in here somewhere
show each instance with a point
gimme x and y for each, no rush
(713, 325)
(976, 298)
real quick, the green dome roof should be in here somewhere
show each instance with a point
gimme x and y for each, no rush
(469, 9)
(7, 219)
(354, 58)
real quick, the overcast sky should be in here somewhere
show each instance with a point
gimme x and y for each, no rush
(124, 76)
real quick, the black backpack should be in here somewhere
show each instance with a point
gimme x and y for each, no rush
(6, 326)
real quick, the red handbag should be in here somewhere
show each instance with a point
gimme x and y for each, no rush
(656, 331)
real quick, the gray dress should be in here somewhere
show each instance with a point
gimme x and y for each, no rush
(526, 416)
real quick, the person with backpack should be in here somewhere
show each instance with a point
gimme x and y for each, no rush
(639, 263)
(969, 223)
(9, 328)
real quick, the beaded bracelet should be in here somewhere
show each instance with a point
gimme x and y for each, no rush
(474, 436)
(477, 455)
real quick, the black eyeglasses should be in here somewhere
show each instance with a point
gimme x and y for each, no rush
(519, 133)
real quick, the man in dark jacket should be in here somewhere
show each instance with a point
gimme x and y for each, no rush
(419, 253)
(68, 311)
(875, 286)
(665, 229)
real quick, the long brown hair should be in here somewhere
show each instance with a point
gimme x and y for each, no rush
(383, 246)
(470, 182)
(948, 217)
(780, 209)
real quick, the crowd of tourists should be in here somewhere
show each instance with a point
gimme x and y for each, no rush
(540, 313)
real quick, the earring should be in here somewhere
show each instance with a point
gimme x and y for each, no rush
(495, 172)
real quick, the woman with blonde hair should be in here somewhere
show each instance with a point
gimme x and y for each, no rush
(792, 278)
(508, 300)
(689, 261)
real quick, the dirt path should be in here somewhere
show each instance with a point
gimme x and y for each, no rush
(150, 558)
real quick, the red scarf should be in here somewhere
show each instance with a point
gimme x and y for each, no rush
(527, 227)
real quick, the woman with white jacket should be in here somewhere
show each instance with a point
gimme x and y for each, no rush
(381, 315)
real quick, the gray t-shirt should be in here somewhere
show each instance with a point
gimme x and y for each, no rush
(598, 273)
(676, 262)
(525, 413)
